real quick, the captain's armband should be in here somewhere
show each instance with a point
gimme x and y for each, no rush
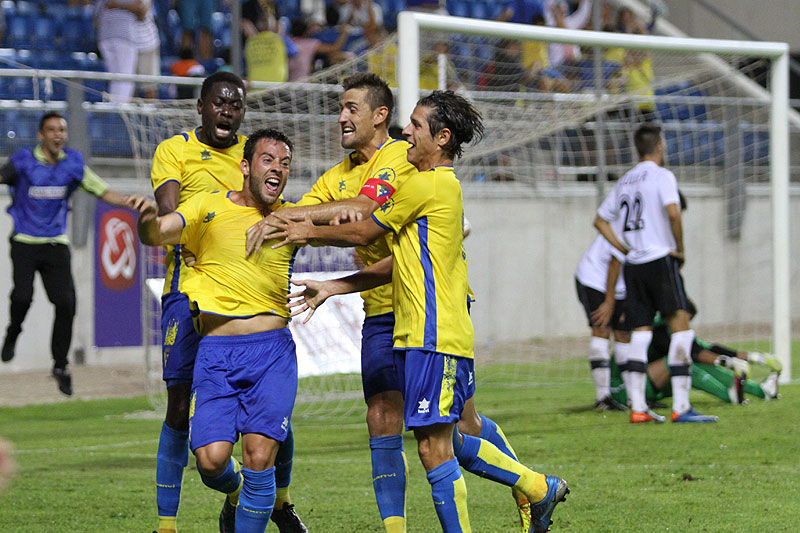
(377, 190)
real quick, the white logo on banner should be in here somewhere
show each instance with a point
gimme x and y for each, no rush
(125, 264)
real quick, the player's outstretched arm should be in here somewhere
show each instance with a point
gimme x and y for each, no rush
(315, 292)
(155, 230)
(133, 201)
(359, 233)
(607, 231)
(319, 214)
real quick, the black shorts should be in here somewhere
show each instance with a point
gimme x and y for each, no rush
(591, 300)
(651, 287)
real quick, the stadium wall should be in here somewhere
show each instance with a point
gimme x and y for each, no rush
(522, 252)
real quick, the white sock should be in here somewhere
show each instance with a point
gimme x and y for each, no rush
(637, 379)
(680, 355)
(601, 373)
(756, 358)
(621, 350)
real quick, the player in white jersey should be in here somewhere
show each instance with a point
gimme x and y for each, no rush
(601, 291)
(646, 200)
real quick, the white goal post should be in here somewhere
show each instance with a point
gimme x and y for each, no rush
(412, 26)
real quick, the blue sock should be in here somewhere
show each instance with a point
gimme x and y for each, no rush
(492, 432)
(283, 460)
(389, 475)
(491, 463)
(173, 456)
(255, 501)
(227, 482)
(449, 496)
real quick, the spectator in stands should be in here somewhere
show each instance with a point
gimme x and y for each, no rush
(505, 71)
(256, 15)
(116, 40)
(555, 14)
(187, 65)
(541, 74)
(41, 181)
(149, 46)
(356, 16)
(266, 55)
(520, 11)
(302, 63)
(196, 17)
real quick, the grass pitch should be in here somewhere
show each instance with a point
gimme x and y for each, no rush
(90, 466)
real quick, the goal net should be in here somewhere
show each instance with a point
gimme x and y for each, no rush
(555, 138)
(557, 135)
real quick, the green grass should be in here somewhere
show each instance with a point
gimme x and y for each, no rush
(87, 466)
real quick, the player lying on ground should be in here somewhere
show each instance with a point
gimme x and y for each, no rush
(245, 376)
(717, 370)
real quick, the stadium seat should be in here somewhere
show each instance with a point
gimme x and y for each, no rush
(20, 31)
(458, 8)
(108, 135)
(44, 32)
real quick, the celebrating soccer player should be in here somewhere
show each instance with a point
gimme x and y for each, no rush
(205, 159)
(433, 333)
(361, 184)
(245, 376)
(646, 199)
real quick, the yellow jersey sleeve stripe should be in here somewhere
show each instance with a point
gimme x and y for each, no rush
(165, 182)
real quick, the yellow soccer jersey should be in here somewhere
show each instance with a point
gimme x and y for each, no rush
(345, 180)
(430, 266)
(196, 167)
(226, 282)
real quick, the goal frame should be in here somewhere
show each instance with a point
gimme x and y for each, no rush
(411, 24)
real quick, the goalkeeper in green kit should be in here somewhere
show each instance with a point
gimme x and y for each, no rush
(716, 369)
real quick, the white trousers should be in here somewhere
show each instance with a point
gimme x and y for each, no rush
(120, 56)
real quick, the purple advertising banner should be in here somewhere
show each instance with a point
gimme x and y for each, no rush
(117, 284)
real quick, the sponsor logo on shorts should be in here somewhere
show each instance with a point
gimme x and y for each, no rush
(470, 379)
(424, 406)
(285, 424)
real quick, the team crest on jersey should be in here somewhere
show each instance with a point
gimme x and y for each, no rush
(342, 185)
(209, 217)
(385, 174)
(205, 155)
(388, 206)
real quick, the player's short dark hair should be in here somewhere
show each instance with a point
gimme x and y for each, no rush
(221, 76)
(378, 92)
(456, 113)
(646, 139)
(47, 116)
(266, 133)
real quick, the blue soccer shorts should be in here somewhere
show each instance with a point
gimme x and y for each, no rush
(382, 369)
(437, 385)
(179, 339)
(243, 384)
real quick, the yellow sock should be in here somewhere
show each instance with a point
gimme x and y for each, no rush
(281, 497)
(233, 497)
(534, 485)
(395, 524)
(460, 493)
(167, 524)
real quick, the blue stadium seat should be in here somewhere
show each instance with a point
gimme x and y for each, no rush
(44, 32)
(108, 135)
(755, 144)
(19, 129)
(458, 8)
(479, 10)
(20, 30)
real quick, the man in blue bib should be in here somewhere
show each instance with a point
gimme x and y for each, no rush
(41, 182)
